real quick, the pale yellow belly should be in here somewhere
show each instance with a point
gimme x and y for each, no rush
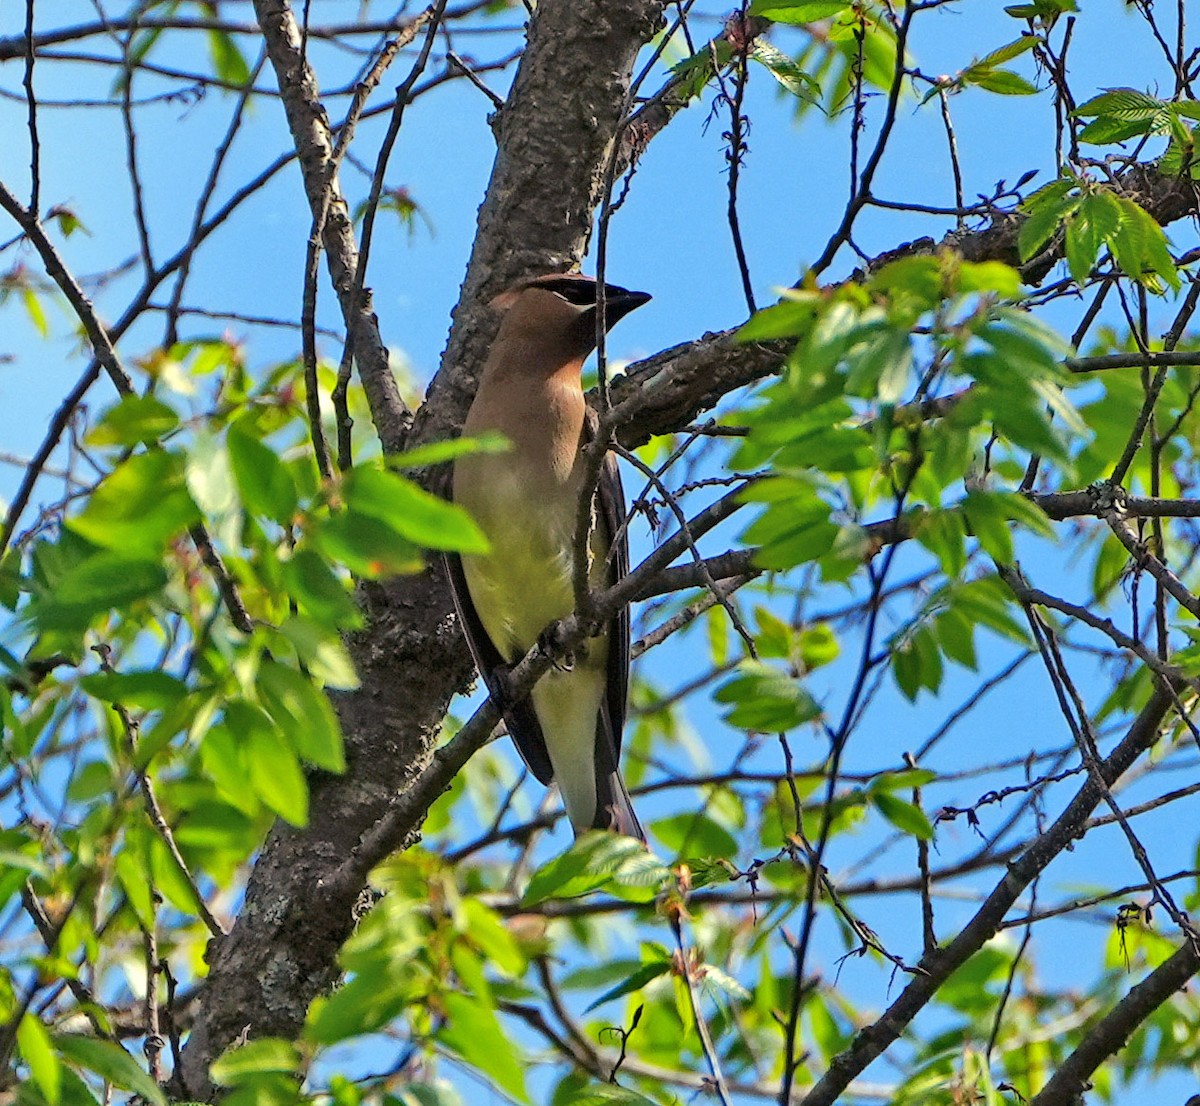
(525, 583)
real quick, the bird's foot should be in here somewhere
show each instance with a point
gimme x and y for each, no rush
(551, 643)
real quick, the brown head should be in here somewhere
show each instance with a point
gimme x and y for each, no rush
(550, 320)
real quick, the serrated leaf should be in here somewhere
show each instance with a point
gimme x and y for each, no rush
(1041, 223)
(1104, 131)
(589, 863)
(1121, 103)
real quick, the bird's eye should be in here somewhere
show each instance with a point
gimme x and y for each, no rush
(581, 293)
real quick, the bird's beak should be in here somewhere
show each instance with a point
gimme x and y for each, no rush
(618, 302)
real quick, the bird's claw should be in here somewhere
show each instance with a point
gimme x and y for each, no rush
(551, 644)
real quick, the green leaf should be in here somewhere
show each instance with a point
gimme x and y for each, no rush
(718, 981)
(818, 646)
(276, 775)
(766, 700)
(102, 582)
(364, 1005)
(1003, 82)
(140, 506)
(695, 833)
(486, 931)
(903, 815)
(609, 1094)
(264, 483)
(227, 60)
(881, 366)
(988, 602)
(790, 319)
(988, 521)
(33, 308)
(135, 420)
(150, 689)
(789, 75)
(917, 663)
(1140, 247)
(110, 1062)
(793, 530)
(322, 653)
(318, 591)
(942, 533)
(989, 276)
(1042, 219)
(798, 11)
(1007, 52)
(956, 636)
(633, 982)
(1121, 103)
(590, 863)
(267, 1055)
(366, 546)
(38, 1052)
(134, 874)
(472, 1030)
(410, 511)
(437, 453)
(302, 712)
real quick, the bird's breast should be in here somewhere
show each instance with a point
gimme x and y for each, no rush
(525, 583)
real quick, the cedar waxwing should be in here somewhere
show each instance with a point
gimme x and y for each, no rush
(526, 501)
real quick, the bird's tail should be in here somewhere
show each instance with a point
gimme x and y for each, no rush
(614, 810)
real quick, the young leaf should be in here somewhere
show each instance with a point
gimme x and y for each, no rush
(262, 1056)
(264, 483)
(38, 1052)
(472, 1030)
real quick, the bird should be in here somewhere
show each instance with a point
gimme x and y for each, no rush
(568, 730)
